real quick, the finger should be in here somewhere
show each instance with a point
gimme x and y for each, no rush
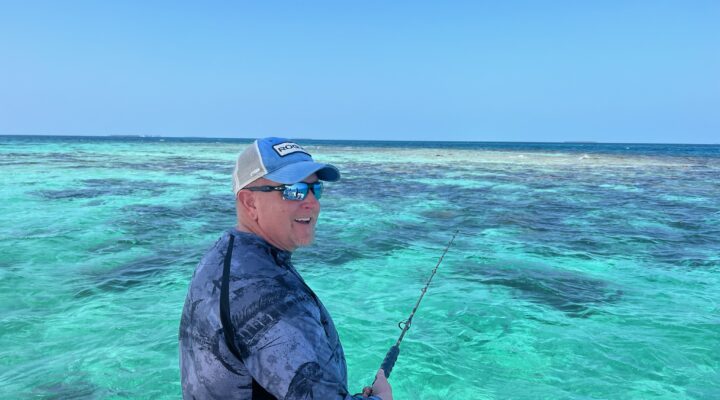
(380, 373)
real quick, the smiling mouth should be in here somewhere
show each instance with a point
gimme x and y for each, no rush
(303, 220)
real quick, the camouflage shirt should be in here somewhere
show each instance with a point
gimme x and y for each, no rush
(285, 343)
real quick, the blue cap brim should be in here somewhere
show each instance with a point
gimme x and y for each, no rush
(296, 172)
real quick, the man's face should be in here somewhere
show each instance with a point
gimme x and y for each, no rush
(287, 224)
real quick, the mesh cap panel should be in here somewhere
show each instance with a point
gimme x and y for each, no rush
(248, 167)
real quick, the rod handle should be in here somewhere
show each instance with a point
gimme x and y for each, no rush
(389, 361)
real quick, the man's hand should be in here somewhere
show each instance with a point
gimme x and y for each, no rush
(380, 387)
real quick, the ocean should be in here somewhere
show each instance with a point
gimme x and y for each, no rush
(581, 270)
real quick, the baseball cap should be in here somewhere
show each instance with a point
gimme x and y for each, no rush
(279, 160)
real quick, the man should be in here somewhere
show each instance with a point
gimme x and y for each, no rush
(251, 327)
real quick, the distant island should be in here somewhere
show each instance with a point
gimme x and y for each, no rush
(134, 136)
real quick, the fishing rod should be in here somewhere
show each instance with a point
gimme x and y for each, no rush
(392, 354)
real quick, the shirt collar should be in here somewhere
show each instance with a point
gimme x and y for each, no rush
(282, 256)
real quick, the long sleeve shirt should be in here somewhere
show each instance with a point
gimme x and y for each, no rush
(277, 340)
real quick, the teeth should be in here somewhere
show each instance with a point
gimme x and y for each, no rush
(303, 219)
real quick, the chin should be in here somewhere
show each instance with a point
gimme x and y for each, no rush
(305, 241)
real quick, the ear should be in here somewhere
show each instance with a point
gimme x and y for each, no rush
(245, 201)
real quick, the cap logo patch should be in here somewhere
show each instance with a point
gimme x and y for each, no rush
(287, 148)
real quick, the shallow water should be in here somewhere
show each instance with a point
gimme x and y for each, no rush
(582, 271)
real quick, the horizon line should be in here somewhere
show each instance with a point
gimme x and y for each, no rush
(142, 136)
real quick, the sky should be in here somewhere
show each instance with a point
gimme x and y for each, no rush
(553, 71)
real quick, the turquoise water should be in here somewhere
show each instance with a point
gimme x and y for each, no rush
(583, 271)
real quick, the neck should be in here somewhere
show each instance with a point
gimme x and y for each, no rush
(255, 229)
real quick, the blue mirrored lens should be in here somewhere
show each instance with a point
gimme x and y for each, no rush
(317, 189)
(298, 191)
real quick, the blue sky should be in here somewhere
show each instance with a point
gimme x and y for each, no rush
(608, 71)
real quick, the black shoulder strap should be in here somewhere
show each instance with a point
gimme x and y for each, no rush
(228, 328)
(258, 392)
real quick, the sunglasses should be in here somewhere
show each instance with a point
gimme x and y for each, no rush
(296, 191)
